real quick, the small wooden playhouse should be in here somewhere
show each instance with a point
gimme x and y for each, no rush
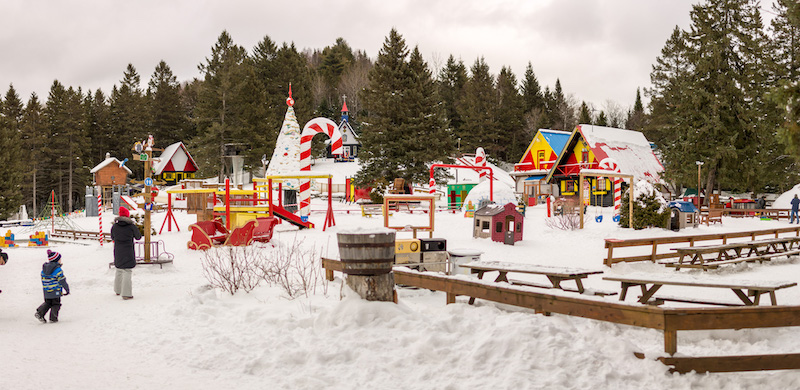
(109, 173)
(500, 223)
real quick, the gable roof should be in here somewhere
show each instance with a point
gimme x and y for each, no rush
(175, 158)
(108, 161)
(555, 139)
(629, 149)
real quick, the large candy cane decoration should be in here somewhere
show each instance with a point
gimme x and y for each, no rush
(100, 213)
(480, 161)
(312, 128)
(611, 165)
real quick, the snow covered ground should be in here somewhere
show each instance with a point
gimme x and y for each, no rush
(177, 333)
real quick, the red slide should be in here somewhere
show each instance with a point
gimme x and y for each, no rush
(284, 214)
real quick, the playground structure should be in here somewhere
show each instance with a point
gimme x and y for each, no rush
(397, 198)
(432, 182)
(603, 173)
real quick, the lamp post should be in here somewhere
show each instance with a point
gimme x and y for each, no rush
(699, 164)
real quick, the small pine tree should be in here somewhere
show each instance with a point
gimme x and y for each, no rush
(648, 211)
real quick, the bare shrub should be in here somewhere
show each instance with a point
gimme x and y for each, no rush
(232, 268)
(295, 268)
(564, 222)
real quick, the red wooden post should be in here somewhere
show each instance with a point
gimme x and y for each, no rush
(227, 203)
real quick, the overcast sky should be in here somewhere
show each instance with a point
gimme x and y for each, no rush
(600, 49)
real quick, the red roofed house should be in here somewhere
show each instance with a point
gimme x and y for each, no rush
(174, 164)
(530, 172)
(603, 148)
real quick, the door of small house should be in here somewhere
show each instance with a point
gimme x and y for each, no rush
(510, 230)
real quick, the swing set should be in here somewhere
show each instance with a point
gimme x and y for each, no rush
(601, 173)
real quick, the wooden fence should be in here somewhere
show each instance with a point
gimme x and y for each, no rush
(669, 320)
(656, 248)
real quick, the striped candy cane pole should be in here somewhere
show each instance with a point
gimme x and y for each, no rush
(432, 185)
(312, 128)
(100, 213)
(480, 161)
(611, 165)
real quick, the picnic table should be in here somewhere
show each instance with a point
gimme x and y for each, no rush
(732, 253)
(555, 275)
(753, 289)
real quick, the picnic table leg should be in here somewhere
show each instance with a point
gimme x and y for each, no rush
(649, 293)
(501, 277)
(670, 341)
(451, 298)
(555, 280)
(772, 298)
(480, 276)
(742, 296)
(624, 292)
(579, 283)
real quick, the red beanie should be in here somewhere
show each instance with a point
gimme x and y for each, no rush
(123, 212)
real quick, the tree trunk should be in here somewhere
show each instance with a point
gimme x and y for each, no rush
(710, 180)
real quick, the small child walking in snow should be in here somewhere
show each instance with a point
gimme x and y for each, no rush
(53, 281)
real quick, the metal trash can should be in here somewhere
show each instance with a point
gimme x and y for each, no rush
(462, 256)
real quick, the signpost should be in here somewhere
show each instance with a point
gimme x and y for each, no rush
(144, 152)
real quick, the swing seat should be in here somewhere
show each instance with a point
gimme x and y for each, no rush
(598, 218)
(616, 218)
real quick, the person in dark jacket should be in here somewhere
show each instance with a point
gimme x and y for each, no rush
(3, 259)
(795, 207)
(53, 282)
(123, 232)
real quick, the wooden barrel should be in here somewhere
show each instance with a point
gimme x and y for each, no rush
(366, 253)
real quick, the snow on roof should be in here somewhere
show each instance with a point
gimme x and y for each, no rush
(107, 161)
(629, 149)
(170, 153)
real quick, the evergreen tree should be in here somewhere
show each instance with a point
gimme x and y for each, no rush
(452, 79)
(67, 143)
(33, 137)
(601, 119)
(401, 114)
(786, 64)
(128, 118)
(12, 161)
(219, 105)
(785, 29)
(98, 117)
(584, 116)
(427, 122)
(510, 138)
(636, 117)
(167, 121)
(477, 107)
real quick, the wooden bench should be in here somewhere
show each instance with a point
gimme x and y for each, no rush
(733, 253)
(80, 235)
(754, 288)
(370, 209)
(555, 275)
(712, 216)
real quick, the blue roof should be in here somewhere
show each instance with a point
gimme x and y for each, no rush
(684, 206)
(536, 177)
(556, 138)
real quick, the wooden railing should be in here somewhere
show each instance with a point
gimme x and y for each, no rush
(768, 213)
(658, 251)
(667, 319)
